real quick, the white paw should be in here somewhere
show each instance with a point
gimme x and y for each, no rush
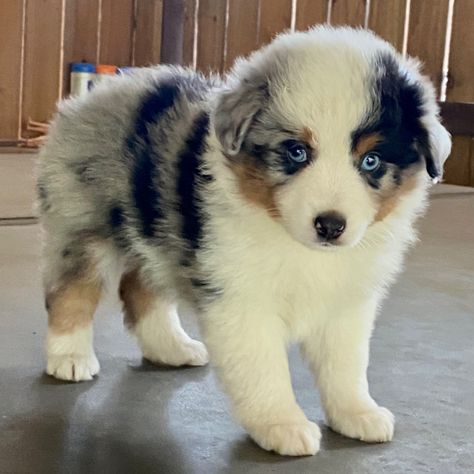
(188, 352)
(289, 439)
(73, 367)
(372, 426)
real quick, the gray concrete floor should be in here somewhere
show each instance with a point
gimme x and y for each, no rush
(17, 185)
(136, 418)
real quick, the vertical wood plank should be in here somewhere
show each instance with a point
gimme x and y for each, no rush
(310, 13)
(460, 167)
(275, 16)
(147, 49)
(11, 27)
(188, 34)
(461, 59)
(471, 161)
(116, 32)
(348, 12)
(81, 30)
(42, 62)
(457, 169)
(427, 36)
(242, 29)
(211, 35)
(172, 31)
(387, 19)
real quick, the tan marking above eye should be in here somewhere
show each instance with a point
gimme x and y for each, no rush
(366, 143)
(307, 136)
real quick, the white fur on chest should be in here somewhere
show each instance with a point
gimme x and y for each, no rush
(259, 264)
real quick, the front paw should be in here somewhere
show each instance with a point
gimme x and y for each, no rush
(289, 439)
(374, 425)
(73, 367)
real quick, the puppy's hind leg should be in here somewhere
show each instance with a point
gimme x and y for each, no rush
(71, 303)
(156, 324)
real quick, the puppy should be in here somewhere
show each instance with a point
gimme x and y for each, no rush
(279, 203)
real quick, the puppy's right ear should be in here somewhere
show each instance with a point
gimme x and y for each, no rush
(235, 110)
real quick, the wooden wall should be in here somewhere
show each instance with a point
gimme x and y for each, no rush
(40, 38)
(43, 37)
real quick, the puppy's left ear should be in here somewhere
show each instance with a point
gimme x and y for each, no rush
(437, 150)
(235, 110)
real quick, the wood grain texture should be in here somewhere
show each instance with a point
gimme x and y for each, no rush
(311, 12)
(461, 59)
(116, 32)
(188, 33)
(427, 36)
(211, 28)
(148, 22)
(457, 169)
(348, 12)
(81, 30)
(173, 31)
(471, 163)
(11, 22)
(275, 16)
(242, 29)
(458, 117)
(42, 66)
(387, 19)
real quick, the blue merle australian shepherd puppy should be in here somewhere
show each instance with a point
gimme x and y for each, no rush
(278, 202)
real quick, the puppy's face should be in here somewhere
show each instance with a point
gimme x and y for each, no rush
(329, 131)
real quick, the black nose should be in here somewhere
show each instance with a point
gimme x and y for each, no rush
(330, 225)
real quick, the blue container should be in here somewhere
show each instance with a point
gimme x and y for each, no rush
(82, 77)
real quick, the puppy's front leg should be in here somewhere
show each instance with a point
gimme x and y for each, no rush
(248, 347)
(339, 355)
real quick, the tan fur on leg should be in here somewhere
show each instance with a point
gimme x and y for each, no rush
(69, 345)
(136, 298)
(155, 322)
(72, 306)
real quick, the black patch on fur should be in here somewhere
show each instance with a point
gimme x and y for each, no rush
(190, 178)
(154, 106)
(116, 217)
(259, 151)
(42, 192)
(67, 252)
(84, 173)
(206, 288)
(185, 262)
(405, 140)
(276, 158)
(145, 193)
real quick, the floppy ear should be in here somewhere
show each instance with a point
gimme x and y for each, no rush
(235, 110)
(438, 149)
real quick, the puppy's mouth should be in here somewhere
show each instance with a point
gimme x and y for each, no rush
(327, 247)
(336, 245)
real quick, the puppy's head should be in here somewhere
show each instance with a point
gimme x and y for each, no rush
(329, 131)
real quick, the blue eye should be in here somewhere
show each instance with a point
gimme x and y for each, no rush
(370, 162)
(297, 152)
